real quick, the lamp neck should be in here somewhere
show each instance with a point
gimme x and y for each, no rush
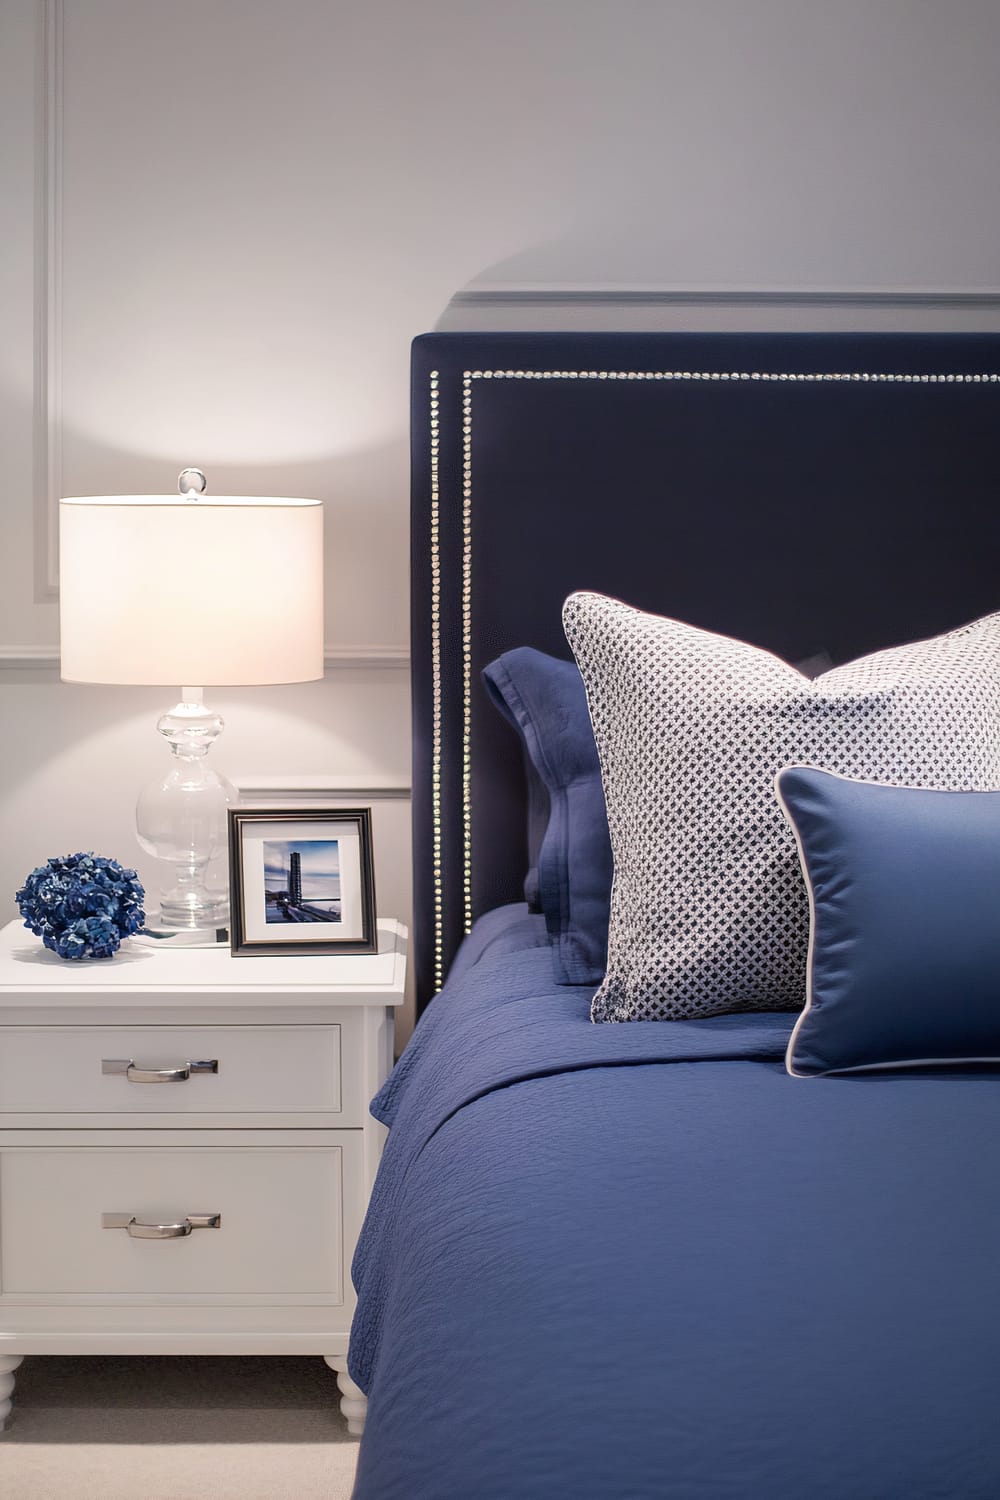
(190, 728)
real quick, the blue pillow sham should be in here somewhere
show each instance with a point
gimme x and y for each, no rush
(544, 698)
(904, 950)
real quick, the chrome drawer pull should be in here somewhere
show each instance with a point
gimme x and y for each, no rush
(157, 1075)
(139, 1229)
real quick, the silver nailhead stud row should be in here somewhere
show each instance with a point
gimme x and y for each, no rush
(468, 376)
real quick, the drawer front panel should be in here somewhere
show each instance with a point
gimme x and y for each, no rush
(280, 1230)
(65, 1069)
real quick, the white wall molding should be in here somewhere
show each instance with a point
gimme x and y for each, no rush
(28, 658)
(335, 658)
(516, 306)
(361, 786)
(345, 657)
(534, 293)
(47, 384)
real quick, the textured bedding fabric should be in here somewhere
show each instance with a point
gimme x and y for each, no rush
(644, 1262)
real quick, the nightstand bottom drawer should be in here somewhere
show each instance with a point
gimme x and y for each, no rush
(218, 1221)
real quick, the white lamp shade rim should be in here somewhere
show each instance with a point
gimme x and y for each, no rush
(200, 502)
(141, 679)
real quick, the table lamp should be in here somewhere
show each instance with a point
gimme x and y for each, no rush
(190, 588)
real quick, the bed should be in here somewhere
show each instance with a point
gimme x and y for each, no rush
(642, 1260)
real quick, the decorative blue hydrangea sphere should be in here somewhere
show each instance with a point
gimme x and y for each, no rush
(81, 906)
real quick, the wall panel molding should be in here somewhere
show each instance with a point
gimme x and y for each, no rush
(392, 658)
(28, 658)
(309, 791)
(34, 658)
(516, 306)
(531, 293)
(47, 385)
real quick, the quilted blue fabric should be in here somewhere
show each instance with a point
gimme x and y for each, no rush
(904, 961)
(644, 1262)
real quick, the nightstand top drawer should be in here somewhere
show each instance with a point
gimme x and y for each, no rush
(140, 977)
(172, 1070)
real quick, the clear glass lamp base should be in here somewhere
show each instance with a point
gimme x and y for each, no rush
(185, 910)
(181, 819)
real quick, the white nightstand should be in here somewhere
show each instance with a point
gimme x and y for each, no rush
(239, 1177)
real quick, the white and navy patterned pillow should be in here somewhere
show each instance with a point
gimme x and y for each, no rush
(708, 909)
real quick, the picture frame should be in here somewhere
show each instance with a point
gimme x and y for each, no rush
(301, 880)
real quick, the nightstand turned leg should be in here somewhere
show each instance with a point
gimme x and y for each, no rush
(8, 1364)
(353, 1401)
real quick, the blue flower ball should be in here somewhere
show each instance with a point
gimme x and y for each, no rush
(82, 905)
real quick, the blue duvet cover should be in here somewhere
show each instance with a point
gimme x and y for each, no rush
(640, 1262)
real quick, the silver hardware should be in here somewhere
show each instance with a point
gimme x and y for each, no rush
(142, 1229)
(191, 482)
(157, 1075)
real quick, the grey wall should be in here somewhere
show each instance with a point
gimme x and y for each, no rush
(224, 220)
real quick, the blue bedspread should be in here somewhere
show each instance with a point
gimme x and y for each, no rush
(640, 1262)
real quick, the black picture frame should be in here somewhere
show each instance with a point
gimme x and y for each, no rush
(263, 917)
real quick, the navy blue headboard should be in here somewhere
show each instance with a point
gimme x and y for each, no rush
(807, 492)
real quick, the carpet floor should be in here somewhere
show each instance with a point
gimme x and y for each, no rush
(176, 1429)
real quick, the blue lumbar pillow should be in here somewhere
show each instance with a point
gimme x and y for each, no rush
(904, 950)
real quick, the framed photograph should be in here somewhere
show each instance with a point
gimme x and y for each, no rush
(301, 880)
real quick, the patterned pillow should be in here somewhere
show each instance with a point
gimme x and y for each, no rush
(708, 909)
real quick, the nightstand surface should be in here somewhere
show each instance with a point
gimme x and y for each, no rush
(138, 974)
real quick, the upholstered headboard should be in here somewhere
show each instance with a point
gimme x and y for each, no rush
(806, 492)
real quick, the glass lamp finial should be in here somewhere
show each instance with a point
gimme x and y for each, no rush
(191, 482)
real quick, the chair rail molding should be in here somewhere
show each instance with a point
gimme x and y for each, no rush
(311, 791)
(29, 659)
(47, 296)
(392, 658)
(37, 658)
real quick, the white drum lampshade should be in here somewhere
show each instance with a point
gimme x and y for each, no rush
(156, 589)
(175, 590)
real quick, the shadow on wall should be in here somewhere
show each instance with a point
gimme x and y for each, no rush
(364, 491)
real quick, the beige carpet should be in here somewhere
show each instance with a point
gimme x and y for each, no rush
(176, 1429)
